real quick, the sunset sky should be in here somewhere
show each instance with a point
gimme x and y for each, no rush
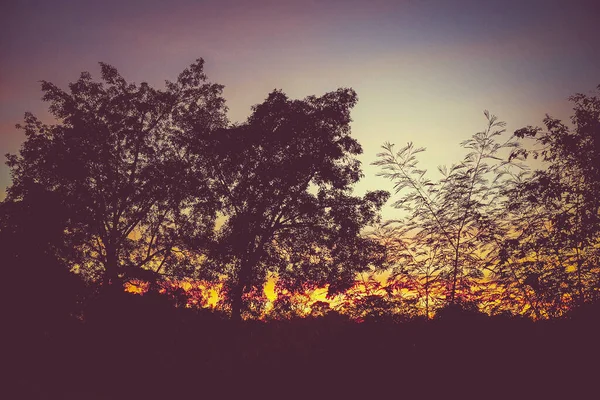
(424, 71)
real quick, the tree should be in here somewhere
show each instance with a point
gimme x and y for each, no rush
(284, 178)
(118, 160)
(556, 212)
(39, 294)
(452, 229)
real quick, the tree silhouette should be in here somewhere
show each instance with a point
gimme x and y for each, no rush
(284, 178)
(372, 299)
(118, 160)
(414, 266)
(453, 227)
(40, 294)
(556, 213)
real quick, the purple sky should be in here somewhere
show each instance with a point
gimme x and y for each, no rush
(424, 70)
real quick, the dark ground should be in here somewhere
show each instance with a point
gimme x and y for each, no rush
(136, 351)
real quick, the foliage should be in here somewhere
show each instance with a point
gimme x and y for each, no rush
(38, 292)
(372, 299)
(144, 187)
(284, 179)
(452, 229)
(555, 249)
(118, 161)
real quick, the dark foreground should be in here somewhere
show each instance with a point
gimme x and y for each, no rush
(136, 352)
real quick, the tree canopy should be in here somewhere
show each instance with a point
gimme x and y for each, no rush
(285, 178)
(132, 183)
(118, 160)
(555, 213)
(156, 182)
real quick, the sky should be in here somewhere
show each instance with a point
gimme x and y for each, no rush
(424, 71)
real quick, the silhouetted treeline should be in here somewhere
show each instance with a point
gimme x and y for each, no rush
(149, 184)
(135, 185)
(153, 191)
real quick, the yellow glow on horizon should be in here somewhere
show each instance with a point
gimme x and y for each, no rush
(269, 290)
(490, 297)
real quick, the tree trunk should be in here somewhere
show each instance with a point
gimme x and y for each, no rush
(245, 276)
(240, 288)
(427, 296)
(237, 301)
(454, 278)
(111, 275)
(580, 296)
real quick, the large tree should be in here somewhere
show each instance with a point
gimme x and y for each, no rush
(117, 159)
(555, 212)
(285, 178)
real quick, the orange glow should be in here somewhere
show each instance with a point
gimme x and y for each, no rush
(402, 297)
(136, 287)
